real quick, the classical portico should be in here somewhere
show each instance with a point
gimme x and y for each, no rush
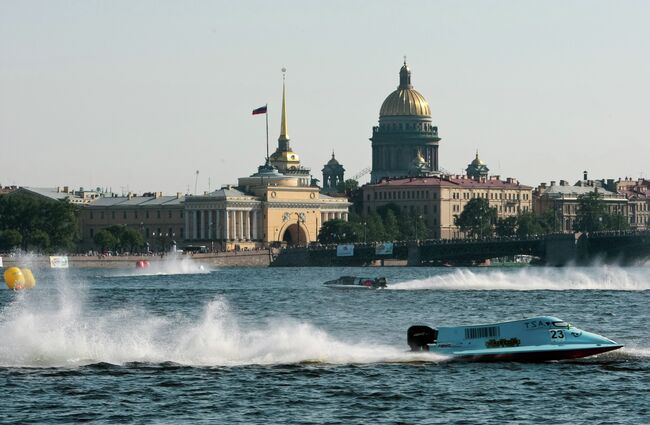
(223, 216)
(265, 208)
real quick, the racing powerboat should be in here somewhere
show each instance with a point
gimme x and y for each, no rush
(528, 340)
(351, 282)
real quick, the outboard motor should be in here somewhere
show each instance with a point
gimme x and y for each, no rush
(419, 337)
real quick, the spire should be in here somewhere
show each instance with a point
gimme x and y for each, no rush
(284, 132)
(405, 76)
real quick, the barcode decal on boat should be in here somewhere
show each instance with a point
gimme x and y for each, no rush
(487, 332)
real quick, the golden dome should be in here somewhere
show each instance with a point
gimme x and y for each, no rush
(477, 160)
(405, 100)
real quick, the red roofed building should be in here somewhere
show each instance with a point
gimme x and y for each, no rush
(439, 199)
(637, 193)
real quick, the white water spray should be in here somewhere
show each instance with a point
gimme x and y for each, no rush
(65, 334)
(171, 264)
(530, 279)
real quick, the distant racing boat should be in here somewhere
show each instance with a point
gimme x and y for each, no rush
(536, 339)
(351, 282)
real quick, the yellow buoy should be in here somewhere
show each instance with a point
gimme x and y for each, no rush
(14, 278)
(30, 281)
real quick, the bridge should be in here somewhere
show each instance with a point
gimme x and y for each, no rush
(622, 247)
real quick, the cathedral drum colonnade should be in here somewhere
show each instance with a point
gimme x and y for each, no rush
(405, 131)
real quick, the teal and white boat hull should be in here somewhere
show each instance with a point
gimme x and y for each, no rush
(536, 339)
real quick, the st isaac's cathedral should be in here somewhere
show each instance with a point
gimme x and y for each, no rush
(405, 133)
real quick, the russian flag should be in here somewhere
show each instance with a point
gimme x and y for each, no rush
(260, 110)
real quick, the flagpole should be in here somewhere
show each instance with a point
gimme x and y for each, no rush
(267, 132)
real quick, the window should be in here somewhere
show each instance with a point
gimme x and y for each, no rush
(147, 230)
(124, 214)
(181, 214)
(158, 215)
(135, 214)
(92, 233)
(170, 214)
(91, 215)
(181, 231)
(101, 215)
(147, 215)
(113, 215)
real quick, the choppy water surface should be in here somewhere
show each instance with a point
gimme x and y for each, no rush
(274, 346)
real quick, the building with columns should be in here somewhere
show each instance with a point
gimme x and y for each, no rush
(277, 205)
(637, 193)
(266, 208)
(405, 130)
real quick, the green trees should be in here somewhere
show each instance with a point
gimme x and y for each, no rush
(347, 186)
(529, 224)
(119, 238)
(10, 239)
(32, 223)
(339, 231)
(477, 218)
(592, 215)
(105, 240)
(388, 223)
(507, 226)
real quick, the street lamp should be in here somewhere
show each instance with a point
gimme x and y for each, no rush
(418, 218)
(300, 217)
(212, 236)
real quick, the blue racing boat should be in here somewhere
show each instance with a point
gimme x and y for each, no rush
(536, 339)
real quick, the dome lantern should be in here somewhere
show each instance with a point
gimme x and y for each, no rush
(405, 101)
(405, 77)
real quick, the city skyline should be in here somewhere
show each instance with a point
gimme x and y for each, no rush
(142, 95)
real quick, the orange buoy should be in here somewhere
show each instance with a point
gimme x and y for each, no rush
(14, 278)
(30, 281)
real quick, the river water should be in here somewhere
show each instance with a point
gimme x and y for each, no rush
(182, 344)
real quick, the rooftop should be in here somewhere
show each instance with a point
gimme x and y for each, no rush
(493, 182)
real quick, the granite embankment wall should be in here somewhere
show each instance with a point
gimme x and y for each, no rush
(261, 258)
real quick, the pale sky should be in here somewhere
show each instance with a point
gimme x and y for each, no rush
(141, 94)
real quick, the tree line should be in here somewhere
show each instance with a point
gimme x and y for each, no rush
(35, 224)
(477, 220)
(41, 225)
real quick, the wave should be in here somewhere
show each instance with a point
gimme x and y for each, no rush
(68, 336)
(633, 352)
(171, 265)
(533, 279)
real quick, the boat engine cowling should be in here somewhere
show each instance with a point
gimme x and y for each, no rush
(419, 337)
